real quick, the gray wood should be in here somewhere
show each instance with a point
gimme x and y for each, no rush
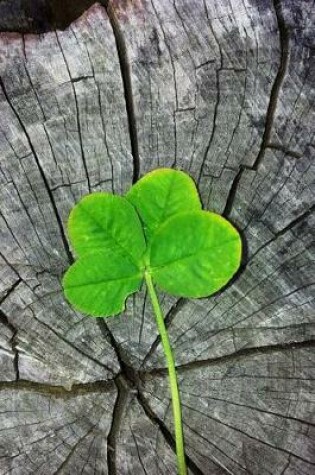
(224, 90)
(250, 414)
(45, 430)
(140, 446)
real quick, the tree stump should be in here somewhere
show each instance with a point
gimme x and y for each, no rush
(93, 97)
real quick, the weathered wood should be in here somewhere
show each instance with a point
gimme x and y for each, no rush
(250, 414)
(140, 446)
(45, 430)
(224, 90)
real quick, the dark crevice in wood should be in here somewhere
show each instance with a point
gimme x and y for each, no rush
(165, 432)
(206, 63)
(284, 149)
(81, 78)
(174, 310)
(272, 106)
(243, 353)
(107, 334)
(42, 174)
(130, 374)
(57, 390)
(16, 355)
(9, 291)
(286, 465)
(274, 95)
(5, 321)
(119, 409)
(126, 380)
(218, 93)
(9, 264)
(127, 84)
(215, 115)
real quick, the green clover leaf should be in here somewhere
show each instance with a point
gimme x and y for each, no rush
(99, 283)
(105, 231)
(194, 254)
(102, 221)
(157, 233)
(161, 194)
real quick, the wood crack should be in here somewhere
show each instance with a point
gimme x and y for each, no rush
(218, 94)
(118, 413)
(9, 291)
(57, 390)
(127, 85)
(284, 38)
(125, 367)
(284, 149)
(138, 451)
(5, 321)
(240, 354)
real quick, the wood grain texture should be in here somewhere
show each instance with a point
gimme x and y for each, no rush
(251, 414)
(225, 91)
(54, 433)
(140, 446)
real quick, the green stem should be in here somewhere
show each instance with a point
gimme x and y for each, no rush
(177, 412)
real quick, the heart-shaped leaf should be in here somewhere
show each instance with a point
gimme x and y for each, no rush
(194, 254)
(99, 282)
(106, 233)
(102, 221)
(161, 194)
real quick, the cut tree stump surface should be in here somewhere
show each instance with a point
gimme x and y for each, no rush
(91, 98)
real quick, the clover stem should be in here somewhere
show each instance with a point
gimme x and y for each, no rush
(176, 404)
